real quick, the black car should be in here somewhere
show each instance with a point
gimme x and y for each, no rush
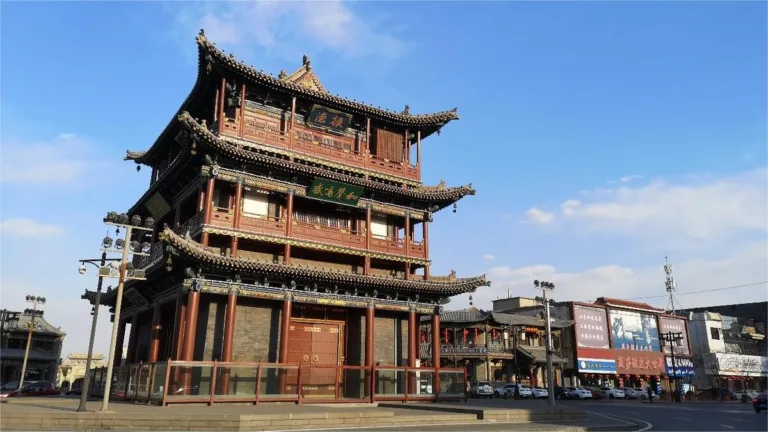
(759, 403)
(560, 393)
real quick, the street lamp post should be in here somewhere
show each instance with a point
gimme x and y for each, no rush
(544, 287)
(87, 378)
(672, 338)
(125, 247)
(32, 313)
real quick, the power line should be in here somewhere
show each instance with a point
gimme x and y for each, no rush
(702, 291)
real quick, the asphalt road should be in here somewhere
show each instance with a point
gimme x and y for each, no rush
(704, 416)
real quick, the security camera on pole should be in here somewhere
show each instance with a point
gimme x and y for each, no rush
(544, 287)
(129, 245)
(32, 314)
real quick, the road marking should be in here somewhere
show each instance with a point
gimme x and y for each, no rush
(729, 427)
(648, 425)
(683, 418)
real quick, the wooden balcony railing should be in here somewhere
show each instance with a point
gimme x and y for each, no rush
(326, 234)
(338, 148)
(318, 232)
(262, 224)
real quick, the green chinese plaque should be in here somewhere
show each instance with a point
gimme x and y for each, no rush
(329, 190)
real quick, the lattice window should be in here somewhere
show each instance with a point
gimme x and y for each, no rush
(389, 145)
(331, 222)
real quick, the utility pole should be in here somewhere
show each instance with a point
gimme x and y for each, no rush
(32, 313)
(95, 313)
(127, 272)
(544, 287)
(672, 338)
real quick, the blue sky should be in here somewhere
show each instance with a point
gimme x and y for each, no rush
(599, 135)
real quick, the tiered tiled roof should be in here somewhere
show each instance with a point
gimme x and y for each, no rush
(196, 251)
(474, 315)
(607, 301)
(210, 53)
(440, 195)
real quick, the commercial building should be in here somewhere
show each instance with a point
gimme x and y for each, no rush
(44, 352)
(616, 342)
(729, 352)
(495, 346)
(72, 369)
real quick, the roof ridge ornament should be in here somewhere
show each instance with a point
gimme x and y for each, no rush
(305, 61)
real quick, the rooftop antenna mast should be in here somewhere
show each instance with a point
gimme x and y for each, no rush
(670, 284)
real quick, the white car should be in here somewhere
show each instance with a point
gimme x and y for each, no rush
(482, 389)
(524, 392)
(579, 393)
(612, 393)
(631, 393)
(539, 393)
(751, 394)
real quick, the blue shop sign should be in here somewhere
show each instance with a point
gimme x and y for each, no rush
(597, 366)
(683, 367)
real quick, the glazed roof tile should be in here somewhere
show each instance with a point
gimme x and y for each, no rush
(210, 52)
(444, 286)
(607, 301)
(427, 193)
(473, 315)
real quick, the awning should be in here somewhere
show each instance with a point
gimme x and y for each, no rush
(538, 355)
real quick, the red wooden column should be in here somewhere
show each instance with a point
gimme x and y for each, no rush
(368, 237)
(407, 234)
(134, 336)
(238, 212)
(370, 314)
(193, 304)
(222, 101)
(412, 338)
(418, 152)
(229, 338)
(292, 135)
(406, 149)
(178, 335)
(288, 226)
(285, 322)
(436, 347)
(119, 345)
(367, 138)
(208, 207)
(154, 341)
(426, 247)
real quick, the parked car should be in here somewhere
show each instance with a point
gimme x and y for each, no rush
(425, 386)
(644, 395)
(524, 391)
(713, 394)
(632, 393)
(34, 388)
(561, 393)
(578, 393)
(482, 389)
(539, 393)
(745, 395)
(612, 393)
(597, 393)
(9, 387)
(759, 402)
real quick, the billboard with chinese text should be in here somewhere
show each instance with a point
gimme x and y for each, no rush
(591, 327)
(634, 331)
(675, 325)
(639, 363)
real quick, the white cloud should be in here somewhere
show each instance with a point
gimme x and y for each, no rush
(58, 160)
(288, 28)
(746, 265)
(539, 216)
(489, 257)
(27, 228)
(629, 178)
(701, 209)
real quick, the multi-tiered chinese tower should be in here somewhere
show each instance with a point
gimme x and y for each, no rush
(292, 226)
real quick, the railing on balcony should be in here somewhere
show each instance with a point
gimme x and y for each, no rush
(339, 148)
(213, 382)
(328, 234)
(426, 349)
(262, 224)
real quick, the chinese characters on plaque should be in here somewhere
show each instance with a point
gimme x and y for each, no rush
(329, 190)
(638, 364)
(591, 327)
(327, 118)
